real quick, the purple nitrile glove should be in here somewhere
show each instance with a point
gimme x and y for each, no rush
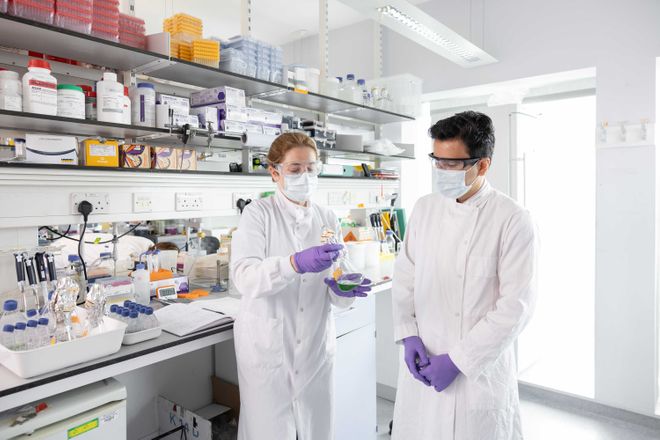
(415, 357)
(360, 290)
(316, 259)
(441, 372)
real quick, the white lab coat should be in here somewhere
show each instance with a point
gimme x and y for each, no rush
(284, 333)
(465, 283)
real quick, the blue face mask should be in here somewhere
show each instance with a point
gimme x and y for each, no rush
(450, 183)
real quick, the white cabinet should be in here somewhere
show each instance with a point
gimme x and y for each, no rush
(355, 372)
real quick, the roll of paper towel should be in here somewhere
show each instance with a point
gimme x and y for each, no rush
(257, 140)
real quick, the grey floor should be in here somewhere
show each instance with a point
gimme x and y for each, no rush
(541, 422)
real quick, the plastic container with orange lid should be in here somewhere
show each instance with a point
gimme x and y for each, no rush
(38, 10)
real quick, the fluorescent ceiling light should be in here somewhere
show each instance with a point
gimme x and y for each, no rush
(410, 21)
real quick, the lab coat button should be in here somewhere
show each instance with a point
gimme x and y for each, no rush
(302, 310)
(298, 342)
(296, 372)
(458, 315)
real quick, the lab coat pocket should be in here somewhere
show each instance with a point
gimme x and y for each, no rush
(259, 341)
(482, 266)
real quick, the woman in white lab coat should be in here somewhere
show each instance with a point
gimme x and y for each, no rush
(284, 333)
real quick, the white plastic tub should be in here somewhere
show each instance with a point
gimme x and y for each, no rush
(102, 341)
(144, 335)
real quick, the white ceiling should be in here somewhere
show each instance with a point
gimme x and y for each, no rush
(275, 21)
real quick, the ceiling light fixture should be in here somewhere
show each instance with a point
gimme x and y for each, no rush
(410, 21)
(426, 32)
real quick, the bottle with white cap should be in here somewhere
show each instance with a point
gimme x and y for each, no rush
(39, 89)
(11, 91)
(109, 99)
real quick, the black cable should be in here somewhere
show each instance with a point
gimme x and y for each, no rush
(80, 243)
(58, 234)
(54, 232)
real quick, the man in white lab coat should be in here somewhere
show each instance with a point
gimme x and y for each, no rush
(464, 288)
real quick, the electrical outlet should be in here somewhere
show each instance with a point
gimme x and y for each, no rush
(142, 202)
(189, 202)
(100, 202)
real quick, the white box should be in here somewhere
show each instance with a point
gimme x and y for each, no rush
(256, 115)
(232, 127)
(218, 95)
(272, 118)
(102, 341)
(272, 131)
(180, 104)
(220, 112)
(51, 149)
(253, 128)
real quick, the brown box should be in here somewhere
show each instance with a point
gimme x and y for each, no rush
(135, 156)
(226, 394)
(186, 159)
(163, 158)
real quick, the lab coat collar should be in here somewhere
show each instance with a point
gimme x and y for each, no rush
(480, 198)
(298, 214)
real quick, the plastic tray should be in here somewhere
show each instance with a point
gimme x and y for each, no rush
(103, 341)
(75, 24)
(235, 65)
(263, 73)
(42, 12)
(144, 335)
(106, 35)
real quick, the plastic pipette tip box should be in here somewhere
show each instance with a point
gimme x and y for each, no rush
(42, 11)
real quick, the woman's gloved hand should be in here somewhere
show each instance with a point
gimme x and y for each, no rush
(360, 290)
(316, 259)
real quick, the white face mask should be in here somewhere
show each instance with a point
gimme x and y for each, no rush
(300, 188)
(450, 184)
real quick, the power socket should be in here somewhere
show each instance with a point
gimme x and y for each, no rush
(142, 202)
(189, 202)
(100, 202)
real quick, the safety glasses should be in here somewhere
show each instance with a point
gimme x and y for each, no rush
(298, 168)
(453, 164)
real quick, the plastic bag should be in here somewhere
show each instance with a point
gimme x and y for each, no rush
(382, 146)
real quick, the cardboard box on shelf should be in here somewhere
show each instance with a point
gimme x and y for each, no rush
(99, 153)
(163, 158)
(135, 156)
(233, 128)
(180, 104)
(186, 159)
(220, 416)
(51, 149)
(218, 95)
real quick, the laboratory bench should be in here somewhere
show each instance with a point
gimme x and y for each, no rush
(16, 391)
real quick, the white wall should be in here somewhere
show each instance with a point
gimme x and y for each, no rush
(351, 50)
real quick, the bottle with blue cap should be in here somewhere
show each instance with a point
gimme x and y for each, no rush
(143, 105)
(43, 329)
(20, 336)
(349, 88)
(141, 284)
(8, 339)
(133, 324)
(10, 313)
(32, 339)
(152, 321)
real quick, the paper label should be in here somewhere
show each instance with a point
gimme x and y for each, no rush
(102, 150)
(13, 103)
(42, 92)
(82, 429)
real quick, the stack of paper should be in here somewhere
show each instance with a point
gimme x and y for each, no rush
(185, 319)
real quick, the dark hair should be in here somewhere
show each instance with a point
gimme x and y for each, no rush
(473, 128)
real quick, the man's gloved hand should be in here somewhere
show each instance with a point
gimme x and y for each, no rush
(360, 290)
(415, 357)
(316, 259)
(440, 372)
